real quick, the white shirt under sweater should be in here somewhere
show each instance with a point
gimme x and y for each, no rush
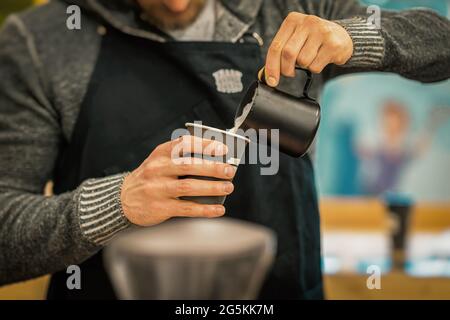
(202, 29)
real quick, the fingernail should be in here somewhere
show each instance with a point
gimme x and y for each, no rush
(271, 81)
(230, 171)
(228, 187)
(260, 74)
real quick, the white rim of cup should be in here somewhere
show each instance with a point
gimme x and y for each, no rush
(189, 124)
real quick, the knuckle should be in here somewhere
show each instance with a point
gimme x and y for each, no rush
(303, 61)
(323, 28)
(333, 44)
(183, 187)
(318, 35)
(275, 47)
(149, 171)
(292, 18)
(312, 20)
(327, 32)
(187, 209)
(288, 53)
(184, 168)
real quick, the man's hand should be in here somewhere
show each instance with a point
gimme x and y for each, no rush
(308, 41)
(150, 193)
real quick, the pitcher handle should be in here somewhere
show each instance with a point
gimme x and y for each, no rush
(308, 83)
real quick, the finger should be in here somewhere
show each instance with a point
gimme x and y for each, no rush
(192, 144)
(201, 167)
(196, 187)
(273, 59)
(197, 145)
(291, 51)
(184, 208)
(322, 59)
(309, 51)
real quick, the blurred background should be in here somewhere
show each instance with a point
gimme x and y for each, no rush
(383, 173)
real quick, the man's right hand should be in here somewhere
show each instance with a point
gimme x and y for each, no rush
(150, 193)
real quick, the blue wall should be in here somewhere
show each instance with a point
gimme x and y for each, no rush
(352, 116)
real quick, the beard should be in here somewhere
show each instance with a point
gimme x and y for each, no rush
(157, 14)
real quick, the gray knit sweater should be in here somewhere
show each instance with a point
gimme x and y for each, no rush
(44, 73)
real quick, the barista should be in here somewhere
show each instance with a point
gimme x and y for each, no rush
(93, 109)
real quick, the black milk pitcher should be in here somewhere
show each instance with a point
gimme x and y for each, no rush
(296, 118)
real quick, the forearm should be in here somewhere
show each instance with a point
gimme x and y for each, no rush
(336, 37)
(413, 43)
(417, 45)
(40, 235)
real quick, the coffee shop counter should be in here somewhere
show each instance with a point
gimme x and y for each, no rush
(363, 216)
(369, 216)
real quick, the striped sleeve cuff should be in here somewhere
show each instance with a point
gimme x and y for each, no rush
(100, 210)
(368, 43)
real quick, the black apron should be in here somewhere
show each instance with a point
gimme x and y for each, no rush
(141, 91)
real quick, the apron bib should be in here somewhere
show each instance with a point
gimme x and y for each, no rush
(140, 92)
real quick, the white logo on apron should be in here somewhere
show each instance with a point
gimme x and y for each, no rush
(228, 80)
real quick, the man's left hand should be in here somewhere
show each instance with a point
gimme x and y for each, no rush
(309, 42)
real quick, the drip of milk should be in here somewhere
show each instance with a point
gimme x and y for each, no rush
(239, 121)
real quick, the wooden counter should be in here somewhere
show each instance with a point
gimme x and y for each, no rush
(395, 285)
(370, 215)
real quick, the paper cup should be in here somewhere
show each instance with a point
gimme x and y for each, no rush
(236, 148)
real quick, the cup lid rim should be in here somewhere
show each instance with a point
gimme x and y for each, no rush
(190, 124)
